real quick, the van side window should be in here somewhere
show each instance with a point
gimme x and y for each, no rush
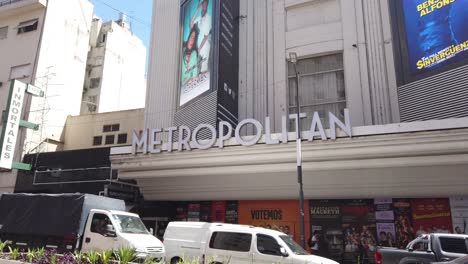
(454, 245)
(231, 241)
(268, 245)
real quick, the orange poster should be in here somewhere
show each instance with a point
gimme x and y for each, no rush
(278, 215)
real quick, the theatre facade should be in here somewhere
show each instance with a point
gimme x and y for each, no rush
(384, 118)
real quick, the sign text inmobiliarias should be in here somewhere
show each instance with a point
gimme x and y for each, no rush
(148, 141)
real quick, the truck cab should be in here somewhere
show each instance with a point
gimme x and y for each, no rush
(106, 229)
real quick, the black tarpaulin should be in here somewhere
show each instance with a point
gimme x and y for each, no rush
(41, 214)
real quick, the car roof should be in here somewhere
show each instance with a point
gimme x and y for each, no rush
(450, 235)
(226, 227)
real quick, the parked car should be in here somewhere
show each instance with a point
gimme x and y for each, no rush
(214, 243)
(426, 249)
(69, 222)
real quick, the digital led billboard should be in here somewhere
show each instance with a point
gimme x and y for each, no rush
(436, 33)
(196, 49)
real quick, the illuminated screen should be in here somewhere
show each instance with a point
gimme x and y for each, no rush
(436, 32)
(196, 49)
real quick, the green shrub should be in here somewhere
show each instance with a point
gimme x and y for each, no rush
(126, 255)
(14, 253)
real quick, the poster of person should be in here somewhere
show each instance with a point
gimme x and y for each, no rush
(196, 49)
(181, 211)
(359, 228)
(436, 33)
(326, 237)
(403, 222)
(282, 216)
(385, 218)
(459, 206)
(386, 234)
(431, 216)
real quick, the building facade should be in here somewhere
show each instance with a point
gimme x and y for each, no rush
(43, 43)
(398, 172)
(102, 130)
(115, 75)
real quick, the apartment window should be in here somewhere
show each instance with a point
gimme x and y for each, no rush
(20, 71)
(3, 32)
(122, 138)
(111, 128)
(92, 103)
(27, 26)
(110, 139)
(94, 83)
(103, 37)
(321, 87)
(97, 141)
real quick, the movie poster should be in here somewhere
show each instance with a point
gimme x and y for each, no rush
(231, 212)
(403, 222)
(359, 229)
(205, 211)
(431, 216)
(193, 213)
(436, 33)
(196, 49)
(385, 218)
(218, 211)
(181, 211)
(459, 206)
(282, 216)
(326, 237)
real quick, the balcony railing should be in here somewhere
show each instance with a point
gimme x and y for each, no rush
(8, 2)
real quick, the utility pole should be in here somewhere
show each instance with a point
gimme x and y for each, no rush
(293, 60)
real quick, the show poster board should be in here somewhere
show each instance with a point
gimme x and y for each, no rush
(403, 222)
(326, 237)
(359, 229)
(218, 212)
(277, 215)
(431, 216)
(385, 218)
(436, 33)
(459, 206)
(195, 75)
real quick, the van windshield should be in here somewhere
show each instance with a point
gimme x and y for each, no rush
(129, 224)
(295, 248)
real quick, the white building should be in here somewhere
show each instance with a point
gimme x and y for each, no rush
(115, 75)
(44, 43)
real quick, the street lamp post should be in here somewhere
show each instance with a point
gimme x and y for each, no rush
(293, 60)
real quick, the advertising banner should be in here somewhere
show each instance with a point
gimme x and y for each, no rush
(359, 228)
(193, 213)
(196, 49)
(385, 217)
(205, 211)
(431, 216)
(231, 212)
(459, 206)
(326, 236)
(436, 33)
(277, 215)
(218, 211)
(403, 222)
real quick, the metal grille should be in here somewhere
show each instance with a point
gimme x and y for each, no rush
(202, 111)
(441, 96)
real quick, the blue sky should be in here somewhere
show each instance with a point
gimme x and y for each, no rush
(138, 15)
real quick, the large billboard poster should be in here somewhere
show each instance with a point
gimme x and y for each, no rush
(277, 215)
(196, 49)
(431, 216)
(436, 33)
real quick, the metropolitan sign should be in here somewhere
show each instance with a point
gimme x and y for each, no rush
(149, 142)
(11, 125)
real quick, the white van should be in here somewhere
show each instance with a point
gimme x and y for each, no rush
(215, 243)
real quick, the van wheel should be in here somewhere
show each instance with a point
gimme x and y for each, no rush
(176, 260)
